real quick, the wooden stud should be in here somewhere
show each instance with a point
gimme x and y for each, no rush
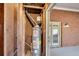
(35, 7)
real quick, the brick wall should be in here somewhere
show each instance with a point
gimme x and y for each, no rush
(70, 35)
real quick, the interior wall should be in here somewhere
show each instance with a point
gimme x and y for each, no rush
(29, 27)
(70, 35)
(1, 29)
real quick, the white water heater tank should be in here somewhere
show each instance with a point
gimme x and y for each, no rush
(36, 39)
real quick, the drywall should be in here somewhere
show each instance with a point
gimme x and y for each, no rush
(70, 35)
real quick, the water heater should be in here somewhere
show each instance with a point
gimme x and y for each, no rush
(36, 39)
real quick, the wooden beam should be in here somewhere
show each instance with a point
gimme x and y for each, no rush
(43, 14)
(35, 7)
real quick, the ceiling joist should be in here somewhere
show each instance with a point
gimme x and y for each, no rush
(35, 7)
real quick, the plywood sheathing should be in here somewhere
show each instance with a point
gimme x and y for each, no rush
(8, 29)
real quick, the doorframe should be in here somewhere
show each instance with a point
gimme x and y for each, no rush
(50, 7)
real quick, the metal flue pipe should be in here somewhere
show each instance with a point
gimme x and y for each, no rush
(30, 18)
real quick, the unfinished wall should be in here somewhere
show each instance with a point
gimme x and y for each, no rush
(70, 35)
(8, 29)
(29, 31)
(14, 29)
(28, 35)
(1, 29)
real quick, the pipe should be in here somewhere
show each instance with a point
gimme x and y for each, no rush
(30, 17)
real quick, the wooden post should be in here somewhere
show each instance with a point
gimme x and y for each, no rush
(48, 10)
(20, 30)
(8, 29)
(35, 7)
(44, 28)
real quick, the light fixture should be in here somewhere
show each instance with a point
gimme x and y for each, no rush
(66, 25)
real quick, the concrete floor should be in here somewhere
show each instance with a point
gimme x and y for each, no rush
(65, 51)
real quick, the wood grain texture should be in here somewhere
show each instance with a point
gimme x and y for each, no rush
(8, 29)
(1, 29)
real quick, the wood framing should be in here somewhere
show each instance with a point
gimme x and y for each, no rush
(48, 10)
(9, 29)
(20, 30)
(35, 7)
(44, 28)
